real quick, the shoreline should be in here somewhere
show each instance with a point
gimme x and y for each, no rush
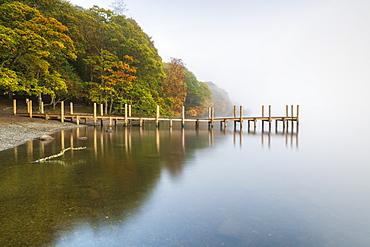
(17, 130)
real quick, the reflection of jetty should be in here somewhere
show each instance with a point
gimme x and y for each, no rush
(127, 119)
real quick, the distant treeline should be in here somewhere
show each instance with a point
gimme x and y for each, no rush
(56, 49)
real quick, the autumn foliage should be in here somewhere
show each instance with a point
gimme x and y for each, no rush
(93, 55)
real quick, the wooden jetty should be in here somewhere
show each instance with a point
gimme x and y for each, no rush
(290, 117)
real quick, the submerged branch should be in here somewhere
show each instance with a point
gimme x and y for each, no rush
(57, 155)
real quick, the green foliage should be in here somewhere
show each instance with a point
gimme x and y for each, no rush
(55, 48)
(30, 44)
(199, 94)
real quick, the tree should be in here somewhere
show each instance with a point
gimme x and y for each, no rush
(174, 86)
(198, 96)
(221, 100)
(31, 43)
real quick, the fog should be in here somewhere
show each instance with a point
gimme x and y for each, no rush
(312, 53)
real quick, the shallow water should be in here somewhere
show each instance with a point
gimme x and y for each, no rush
(187, 187)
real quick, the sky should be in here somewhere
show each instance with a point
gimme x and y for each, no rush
(314, 53)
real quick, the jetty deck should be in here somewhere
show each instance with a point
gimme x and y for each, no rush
(127, 119)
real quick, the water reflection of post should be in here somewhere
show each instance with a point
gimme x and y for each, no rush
(126, 140)
(42, 149)
(183, 139)
(211, 137)
(234, 137)
(15, 149)
(157, 140)
(101, 141)
(291, 139)
(241, 138)
(62, 144)
(268, 138)
(95, 143)
(286, 139)
(71, 144)
(29, 145)
(296, 138)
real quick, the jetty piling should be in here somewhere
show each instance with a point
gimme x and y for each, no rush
(157, 117)
(30, 108)
(71, 108)
(62, 111)
(14, 107)
(94, 114)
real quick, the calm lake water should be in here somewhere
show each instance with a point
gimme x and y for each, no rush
(148, 187)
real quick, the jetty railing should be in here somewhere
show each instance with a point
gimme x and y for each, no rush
(290, 117)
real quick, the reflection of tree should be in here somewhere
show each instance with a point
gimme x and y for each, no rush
(41, 201)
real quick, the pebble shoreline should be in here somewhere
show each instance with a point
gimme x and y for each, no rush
(17, 133)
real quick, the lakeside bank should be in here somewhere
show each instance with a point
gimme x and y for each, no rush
(16, 130)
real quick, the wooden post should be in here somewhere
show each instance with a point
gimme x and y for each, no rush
(269, 113)
(235, 117)
(42, 107)
(183, 117)
(101, 109)
(297, 113)
(30, 108)
(94, 113)
(212, 116)
(241, 116)
(71, 107)
(292, 111)
(286, 110)
(263, 110)
(292, 115)
(157, 117)
(78, 120)
(110, 121)
(28, 105)
(171, 123)
(129, 114)
(62, 111)
(270, 118)
(276, 125)
(14, 107)
(126, 115)
(209, 112)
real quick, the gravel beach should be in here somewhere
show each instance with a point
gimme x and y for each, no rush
(16, 130)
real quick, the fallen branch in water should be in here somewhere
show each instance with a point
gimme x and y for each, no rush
(57, 155)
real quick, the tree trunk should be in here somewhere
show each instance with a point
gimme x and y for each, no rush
(40, 101)
(53, 102)
(106, 107)
(111, 106)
